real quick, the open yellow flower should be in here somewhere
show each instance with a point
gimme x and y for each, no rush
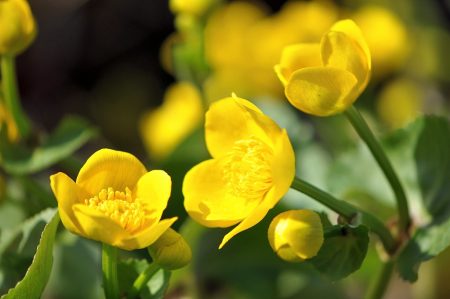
(324, 79)
(252, 167)
(296, 235)
(17, 26)
(114, 200)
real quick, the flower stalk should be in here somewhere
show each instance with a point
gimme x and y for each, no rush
(348, 212)
(11, 95)
(381, 282)
(375, 148)
(109, 269)
(142, 280)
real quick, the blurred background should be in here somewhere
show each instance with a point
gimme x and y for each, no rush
(102, 60)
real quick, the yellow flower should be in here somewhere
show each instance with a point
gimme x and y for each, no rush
(389, 51)
(165, 127)
(324, 79)
(296, 235)
(252, 167)
(17, 26)
(170, 251)
(114, 200)
(192, 7)
(400, 102)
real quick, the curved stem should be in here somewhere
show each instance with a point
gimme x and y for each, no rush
(142, 280)
(348, 211)
(109, 269)
(375, 148)
(381, 282)
(11, 94)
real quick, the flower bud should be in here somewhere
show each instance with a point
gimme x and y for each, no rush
(192, 7)
(296, 235)
(17, 26)
(170, 251)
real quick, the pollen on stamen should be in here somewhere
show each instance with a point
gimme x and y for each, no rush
(247, 171)
(120, 206)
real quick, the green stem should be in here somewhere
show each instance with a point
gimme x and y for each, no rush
(11, 94)
(109, 268)
(348, 211)
(375, 148)
(142, 280)
(381, 282)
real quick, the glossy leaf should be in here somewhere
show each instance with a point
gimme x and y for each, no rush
(432, 160)
(69, 136)
(343, 251)
(35, 280)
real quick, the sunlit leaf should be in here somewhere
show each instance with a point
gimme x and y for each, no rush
(35, 280)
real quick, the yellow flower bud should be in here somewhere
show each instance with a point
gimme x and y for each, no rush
(170, 251)
(17, 26)
(296, 235)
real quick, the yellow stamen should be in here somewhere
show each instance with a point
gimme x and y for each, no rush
(247, 171)
(120, 206)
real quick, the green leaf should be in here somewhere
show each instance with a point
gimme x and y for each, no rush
(432, 159)
(69, 136)
(432, 156)
(342, 252)
(35, 280)
(130, 269)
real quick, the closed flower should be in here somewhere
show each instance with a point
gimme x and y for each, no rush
(17, 26)
(114, 200)
(296, 235)
(252, 167)
(324, 79)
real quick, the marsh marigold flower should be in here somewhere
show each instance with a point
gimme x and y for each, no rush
(114, 200)
(296, 235)
(324, 79)
(252, 167)
(17, 26)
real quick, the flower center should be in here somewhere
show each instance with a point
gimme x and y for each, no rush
(247, 171)
(120, 206)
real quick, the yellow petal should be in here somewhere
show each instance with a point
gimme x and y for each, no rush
(206, 198)
(283, 167)
(321, 91)
(110, 168)
(342, 50)
(296, 57)
(97, 226)
(67, 194)
(255, 217)
(233, 119)
(153, 189)
(349, 28)
(147, 236)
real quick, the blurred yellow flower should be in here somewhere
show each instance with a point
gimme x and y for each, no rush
(17, 26)
(296, 235)
(114, 200)
(252, 167)
(400, 102)
(324, 79)
(170, 251)
(164, 128)
(386, 36)
(243, 42)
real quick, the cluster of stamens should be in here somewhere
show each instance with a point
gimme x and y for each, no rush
(120, 206)
(247, 171)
